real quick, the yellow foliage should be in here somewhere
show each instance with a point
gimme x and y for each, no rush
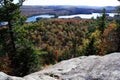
(85, 42)
(69, 43)
(95, 34)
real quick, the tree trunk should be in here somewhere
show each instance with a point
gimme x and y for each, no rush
(11, 37)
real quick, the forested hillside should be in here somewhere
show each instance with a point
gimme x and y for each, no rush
(29, 47)
(63, 10)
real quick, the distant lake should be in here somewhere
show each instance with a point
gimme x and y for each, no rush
(33, 18)
(84, 16)
(3, 23)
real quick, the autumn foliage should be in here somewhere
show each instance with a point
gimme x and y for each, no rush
(53, 40)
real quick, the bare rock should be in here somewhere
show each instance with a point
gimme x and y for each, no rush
(86, 68)
(4, 76)
(81, 68)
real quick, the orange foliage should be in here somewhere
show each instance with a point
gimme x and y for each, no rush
(110, 27)
(108, 38)
(70, 21)
(56, 54)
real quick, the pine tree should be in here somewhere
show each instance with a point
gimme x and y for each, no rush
(10, 13)
(102, 21)
(90, 48)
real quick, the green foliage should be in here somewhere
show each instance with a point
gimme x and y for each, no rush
(10, 13)
(48, 58)
(90, 48)
(50, 40)
(117, 17)
(2, 48)
(26, 61)
(4, 40)
(65, 55)
(36, 43)
(102, 21)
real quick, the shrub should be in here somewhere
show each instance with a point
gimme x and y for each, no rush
(26, 61)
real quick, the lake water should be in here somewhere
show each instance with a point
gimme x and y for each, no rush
(33, 18)
(84, 16)
(3, 23)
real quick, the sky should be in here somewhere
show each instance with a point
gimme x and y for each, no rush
(73, 2)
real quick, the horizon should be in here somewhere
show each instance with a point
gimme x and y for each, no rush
(72, 5)
(98, 3)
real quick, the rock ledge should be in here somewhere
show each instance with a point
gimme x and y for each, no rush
(80, 68)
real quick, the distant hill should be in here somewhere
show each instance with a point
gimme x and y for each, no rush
(64, 10)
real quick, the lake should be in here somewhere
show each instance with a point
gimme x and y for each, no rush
(3, 23)
(33, 18)
(84, 16)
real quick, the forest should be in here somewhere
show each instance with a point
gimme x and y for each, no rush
(29, 47)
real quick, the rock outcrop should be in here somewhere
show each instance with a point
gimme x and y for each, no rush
(81, 68)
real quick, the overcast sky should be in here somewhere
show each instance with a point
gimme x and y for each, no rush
(73, 2)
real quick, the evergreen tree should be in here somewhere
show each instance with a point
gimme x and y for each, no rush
(102, 21)
(117, 17)
(90, 48)
(10, 13)
(27, 57)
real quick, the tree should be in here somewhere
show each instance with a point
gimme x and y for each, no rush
(102, 21)
(90, 47)
(10, 13)
(117, 19)
(26, 61)
(27, 58)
